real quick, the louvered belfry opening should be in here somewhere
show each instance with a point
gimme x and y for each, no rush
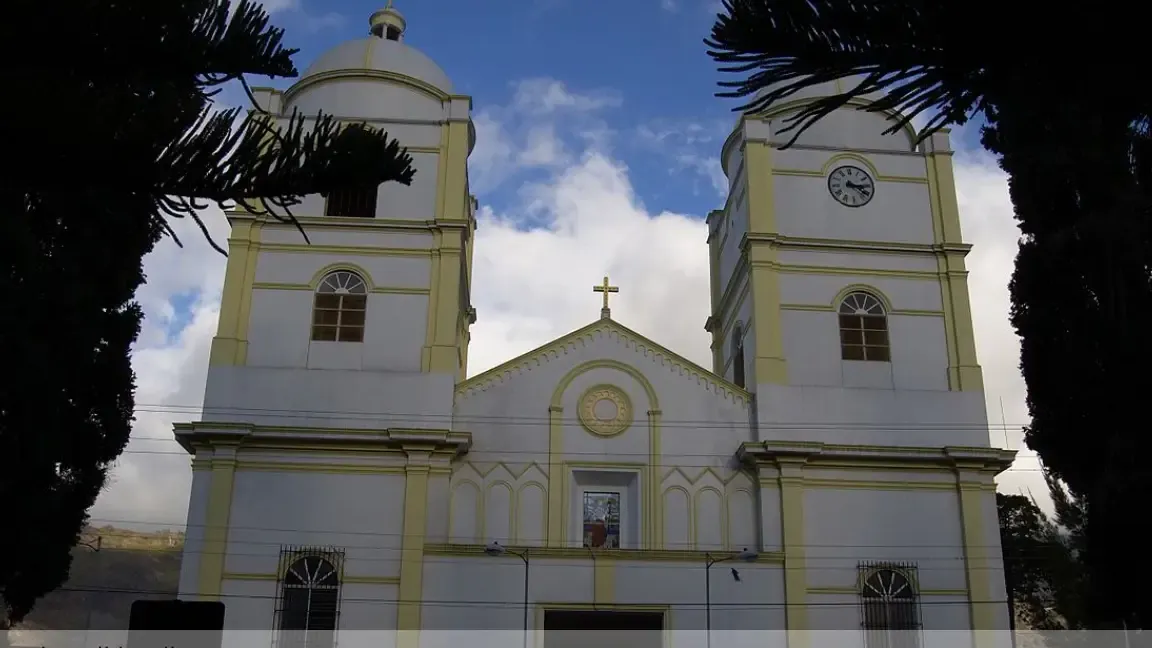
(353, 203)
(890, 607)
(308, 609)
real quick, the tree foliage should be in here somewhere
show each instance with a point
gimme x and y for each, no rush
(1077, 152)
(110, 133)
(1040, 566)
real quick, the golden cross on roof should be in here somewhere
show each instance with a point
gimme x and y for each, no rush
(606, 289)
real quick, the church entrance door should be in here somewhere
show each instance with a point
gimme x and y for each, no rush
(603, 629)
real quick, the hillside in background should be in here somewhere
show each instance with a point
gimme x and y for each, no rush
(129, 565)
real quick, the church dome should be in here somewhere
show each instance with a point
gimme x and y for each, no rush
(385, 51)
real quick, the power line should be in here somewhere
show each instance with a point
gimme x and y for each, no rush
(517, 605)
(172, 408)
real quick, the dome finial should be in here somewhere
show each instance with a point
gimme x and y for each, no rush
(388, 23)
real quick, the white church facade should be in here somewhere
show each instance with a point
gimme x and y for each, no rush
(831, 471)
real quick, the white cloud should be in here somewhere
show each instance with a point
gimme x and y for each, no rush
(547, 96)
(669, 6)
(589, 222)
(689, 146)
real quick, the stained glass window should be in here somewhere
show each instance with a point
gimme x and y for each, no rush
(602, 520)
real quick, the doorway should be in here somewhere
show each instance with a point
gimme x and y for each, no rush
(603, 629)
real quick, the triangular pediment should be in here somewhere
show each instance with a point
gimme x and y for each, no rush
(644, 350)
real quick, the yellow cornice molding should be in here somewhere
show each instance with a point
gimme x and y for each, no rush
(208, 434)
(583, 553)
(378, 75)
(816, 454)
(640, 345)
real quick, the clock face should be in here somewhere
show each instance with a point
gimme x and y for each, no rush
(851, 186)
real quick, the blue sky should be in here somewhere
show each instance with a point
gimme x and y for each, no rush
(648, 53)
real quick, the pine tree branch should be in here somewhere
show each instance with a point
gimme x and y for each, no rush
(899, 49)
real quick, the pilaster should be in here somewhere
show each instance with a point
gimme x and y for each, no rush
(214, 547)
(415, 527)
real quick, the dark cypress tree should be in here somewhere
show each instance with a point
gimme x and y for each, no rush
(108, 129)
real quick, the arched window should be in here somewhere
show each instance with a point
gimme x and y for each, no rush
(310, 602)
(354, 203)
(341, 303)
(738, 354)
(863, 328)
(891, 614)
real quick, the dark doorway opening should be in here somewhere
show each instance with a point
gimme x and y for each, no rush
(628, 629)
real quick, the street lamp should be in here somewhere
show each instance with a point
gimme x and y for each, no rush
(496, 549)
(744, 555)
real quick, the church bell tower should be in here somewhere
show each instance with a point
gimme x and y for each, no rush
(839, 290)
(375, 312)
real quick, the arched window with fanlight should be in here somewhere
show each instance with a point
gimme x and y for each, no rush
(340, 308)
(738, 354)
(310, 601)
(891, 609)
(863, 328)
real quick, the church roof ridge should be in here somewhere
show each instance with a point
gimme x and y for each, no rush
(640, 342)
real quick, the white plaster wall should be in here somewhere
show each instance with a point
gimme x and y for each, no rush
(890, 417)
(249, 604)
(194, 532)
(506, 502)
(487, 593)
(367, 99)
(368, 606)
(846, 526)
(495, 589)
(700, 431)
(847, 128)
(899, 212)
(708, 509)
(361, 514)
(753, 603)
(362, 237)
(384, 270)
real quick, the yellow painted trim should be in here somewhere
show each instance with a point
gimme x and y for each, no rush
(351, 250)
(412, 548)
(846, 158)
(510, 532)
(581, 553)
(216, 523)
(478, 523)
(855, 591)
(825, 308)
(344, 580)
(977, 557)
(689, 501)
(878, 484)
(810, 173)
(377, 290)
(885, 302)
(604, 363)
(341, 266)
(521, 535)
(555, 512)
(644, 348)
(328, 468)
(371, 74)
(230, 346)
(654, 534)
(603, 578)
(791, 488)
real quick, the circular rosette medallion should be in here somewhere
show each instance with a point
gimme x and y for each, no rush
(605, 410)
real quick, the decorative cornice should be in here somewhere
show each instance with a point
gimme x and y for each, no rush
(660, 555)
(994, 460)
(642, 346)
(212, 434)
